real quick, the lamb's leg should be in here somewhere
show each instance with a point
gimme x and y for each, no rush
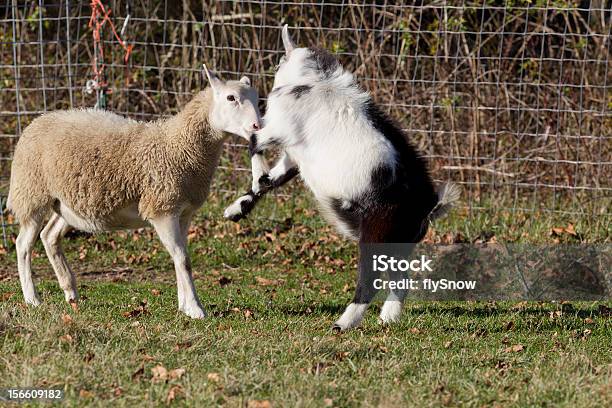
(28, 232)
(283, 171)
(171, 235)
(184, 221)
(51, 235)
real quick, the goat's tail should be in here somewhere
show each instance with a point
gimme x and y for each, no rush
(448, 195)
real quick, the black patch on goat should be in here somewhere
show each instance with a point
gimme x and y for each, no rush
(401, 196)
(300, 90)
(283, 178)
(253, 145)
(323, 60)
(350, 214)
(246, 206)
(275, 90)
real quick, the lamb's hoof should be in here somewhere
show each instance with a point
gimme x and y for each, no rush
(71, 296)
(336, 328)
(33, 301)
(195, 312)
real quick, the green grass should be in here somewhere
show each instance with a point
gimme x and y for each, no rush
(273, 287)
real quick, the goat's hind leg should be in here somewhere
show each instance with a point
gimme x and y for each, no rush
(392, 308)
(51, 237)
(364, 293)
(28, 232)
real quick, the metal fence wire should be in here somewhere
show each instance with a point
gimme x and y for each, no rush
(510, 99)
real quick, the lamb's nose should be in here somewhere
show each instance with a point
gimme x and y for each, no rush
(255, 126)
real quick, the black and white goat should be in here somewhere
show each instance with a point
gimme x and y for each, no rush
(369, 181)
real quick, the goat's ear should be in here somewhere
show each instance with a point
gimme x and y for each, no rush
(289, 46)
(215, 83)
(245, 80)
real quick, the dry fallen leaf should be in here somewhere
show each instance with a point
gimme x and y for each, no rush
(415, 330)
(514, 349)
(213, 377)
(85, 394)
(259, 404)
(67, 319)
(588, 320)
(155, 292)
(66, 338)
(448, 344)
(139, 311)
(7, 295)
(182, 346)
(176, 373)
(266, 282)
(74, 305)
(147, 357)
(173, 393)
(556, 231)
(160, 373)
(328, 402)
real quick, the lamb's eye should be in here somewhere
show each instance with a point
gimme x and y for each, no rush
(231, 98)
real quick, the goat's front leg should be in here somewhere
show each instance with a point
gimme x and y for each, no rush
(173, 236)
(283, 171)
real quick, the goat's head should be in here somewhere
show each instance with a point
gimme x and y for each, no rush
(234, 108)
(303, 65)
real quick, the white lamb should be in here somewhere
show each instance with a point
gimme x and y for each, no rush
(93, 170)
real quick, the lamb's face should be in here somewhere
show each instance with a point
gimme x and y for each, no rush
(235, 109)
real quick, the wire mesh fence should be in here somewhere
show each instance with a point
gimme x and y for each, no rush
(510, 99)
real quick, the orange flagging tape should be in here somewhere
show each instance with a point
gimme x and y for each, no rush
(99, 16)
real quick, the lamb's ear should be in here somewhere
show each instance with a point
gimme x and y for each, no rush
(245, 80)
(215, 83)
(289, 46)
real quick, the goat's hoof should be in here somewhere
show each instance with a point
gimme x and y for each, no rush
(234, 212)
(265, 184)
(391, 312)
(234, 217)
(239, 208)
(336, 328)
